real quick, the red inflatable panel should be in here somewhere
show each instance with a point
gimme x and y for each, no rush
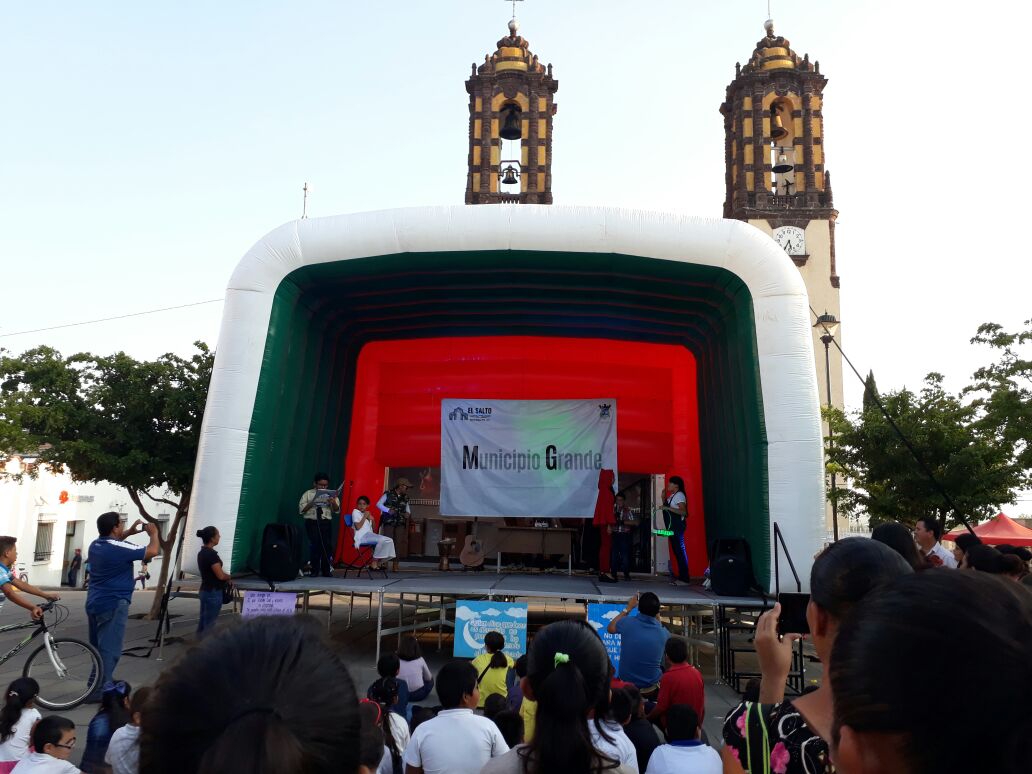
(396, 420)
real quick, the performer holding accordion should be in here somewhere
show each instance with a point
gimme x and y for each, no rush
(394, 511)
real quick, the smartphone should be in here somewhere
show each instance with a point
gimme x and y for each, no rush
(793, 613)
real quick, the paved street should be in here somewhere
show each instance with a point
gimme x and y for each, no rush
(357, 644)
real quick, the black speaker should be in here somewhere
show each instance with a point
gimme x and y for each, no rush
(280, 559)
(731, 568)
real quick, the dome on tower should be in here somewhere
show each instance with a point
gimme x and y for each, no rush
(513, 53)
(774, 52)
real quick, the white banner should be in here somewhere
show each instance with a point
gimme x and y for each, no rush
(526, 457)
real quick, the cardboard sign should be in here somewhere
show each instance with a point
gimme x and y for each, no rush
(599, 616)
(258, 603)
(473, 620)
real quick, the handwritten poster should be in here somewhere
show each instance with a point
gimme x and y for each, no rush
(258, 603)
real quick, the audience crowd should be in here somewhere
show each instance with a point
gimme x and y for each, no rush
(889, 618)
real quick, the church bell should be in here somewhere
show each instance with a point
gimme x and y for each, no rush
(783, 165)
(511, 176)
(777, 128)
(512, 128)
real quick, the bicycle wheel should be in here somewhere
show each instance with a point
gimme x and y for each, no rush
(67, 684)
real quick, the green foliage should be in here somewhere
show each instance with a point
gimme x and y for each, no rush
(133, 423)
(1002, 390)
(964, 452)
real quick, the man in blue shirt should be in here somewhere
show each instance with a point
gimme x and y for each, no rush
(111, 562)
(642, 640)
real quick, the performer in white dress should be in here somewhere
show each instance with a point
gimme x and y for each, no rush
(362, 524)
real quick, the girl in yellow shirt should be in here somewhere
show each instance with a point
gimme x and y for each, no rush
(491, 667)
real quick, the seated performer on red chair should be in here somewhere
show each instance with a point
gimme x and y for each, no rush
(362, 523)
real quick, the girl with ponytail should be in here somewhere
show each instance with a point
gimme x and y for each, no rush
(17, 716)
(568, 673)
(492, 667)
(384, 694)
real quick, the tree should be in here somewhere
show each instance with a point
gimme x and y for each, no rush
(1003, 390)
(968, 459)
(133, 423)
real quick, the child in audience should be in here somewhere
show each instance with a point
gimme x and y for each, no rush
(513, 687)
(123, 752)
(524, 707)
(629, 711)
(511, 726)
(371, 747)
(495, 703)
(53, 739)
(384, 692)
(681, 683)
(112, 715)
(389, 667)
(266, 695)
(457, 741)
(413, 669)
(492, 667)
(17, 717)
(568, 674)
(684, 751)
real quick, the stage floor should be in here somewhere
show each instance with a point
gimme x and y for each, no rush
(487, 584)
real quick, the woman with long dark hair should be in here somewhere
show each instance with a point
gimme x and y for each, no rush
(214, 580)
(268, 694)
(675, 516)
(568, 673)
(17, 716)
(900, 539)
(112, 715)
(792, 736)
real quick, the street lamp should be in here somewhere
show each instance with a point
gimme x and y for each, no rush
(827, 325)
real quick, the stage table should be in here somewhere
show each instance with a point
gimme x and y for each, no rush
(535, 540)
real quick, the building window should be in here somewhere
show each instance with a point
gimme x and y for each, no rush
(44, 541)
(163, 520)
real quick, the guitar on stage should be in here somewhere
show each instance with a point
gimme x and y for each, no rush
(472, 554)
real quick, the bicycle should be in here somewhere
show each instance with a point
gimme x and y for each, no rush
(67, 670)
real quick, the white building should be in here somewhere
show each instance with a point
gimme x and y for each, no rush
(51, 516)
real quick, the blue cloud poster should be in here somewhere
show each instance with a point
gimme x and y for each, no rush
(599, 616)
(473, 620)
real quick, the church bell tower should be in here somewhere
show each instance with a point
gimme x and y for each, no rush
(777, 180)
(511, 106)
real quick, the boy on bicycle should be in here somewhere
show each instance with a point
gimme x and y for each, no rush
(10, 585)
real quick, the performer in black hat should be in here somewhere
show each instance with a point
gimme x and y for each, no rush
(394, 511)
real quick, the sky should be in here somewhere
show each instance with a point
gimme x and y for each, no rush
(146, 146)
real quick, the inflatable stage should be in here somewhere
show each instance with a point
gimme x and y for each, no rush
(341, 335)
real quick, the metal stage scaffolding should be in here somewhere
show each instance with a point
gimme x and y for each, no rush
(423, 599)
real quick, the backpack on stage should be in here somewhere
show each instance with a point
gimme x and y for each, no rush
(731, 568)
(280, 559)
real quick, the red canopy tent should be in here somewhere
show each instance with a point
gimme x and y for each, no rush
(998, 530)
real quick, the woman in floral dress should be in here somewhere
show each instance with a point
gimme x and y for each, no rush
(788, 736)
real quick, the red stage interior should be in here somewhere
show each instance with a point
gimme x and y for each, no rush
(396, 416)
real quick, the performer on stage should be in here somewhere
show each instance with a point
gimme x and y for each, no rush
(394, 510)
(362, 523)
(317, 507)
(604, 519)
(622, 531)
(675, 515)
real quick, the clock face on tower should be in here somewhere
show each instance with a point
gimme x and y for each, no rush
(792, 239)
